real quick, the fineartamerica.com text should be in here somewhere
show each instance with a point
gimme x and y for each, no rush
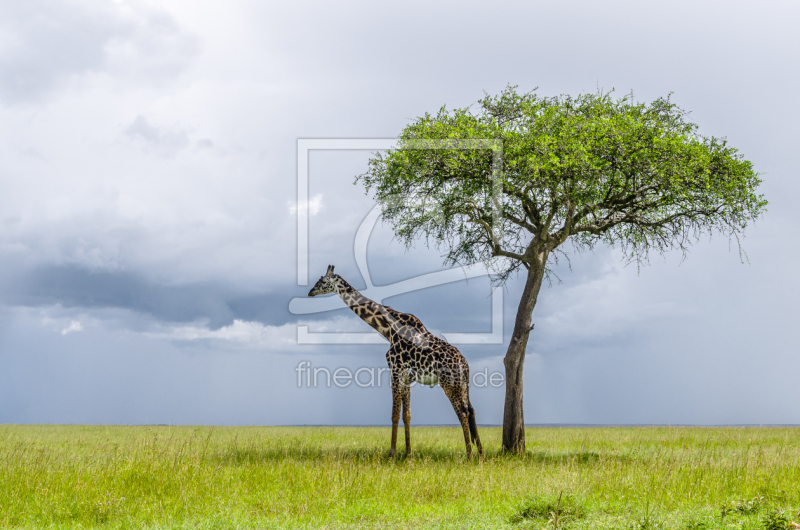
(369, 376)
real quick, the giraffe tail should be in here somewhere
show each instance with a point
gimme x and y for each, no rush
(473, 427)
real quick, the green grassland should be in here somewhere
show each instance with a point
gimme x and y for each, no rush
(340, 477)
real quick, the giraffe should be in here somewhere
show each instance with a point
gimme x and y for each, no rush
(415, 354)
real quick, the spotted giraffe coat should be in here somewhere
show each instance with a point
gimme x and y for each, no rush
(415, 355)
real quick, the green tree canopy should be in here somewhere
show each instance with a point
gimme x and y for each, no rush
(588, 169)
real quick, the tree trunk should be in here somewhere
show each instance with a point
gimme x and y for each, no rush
(513, 419)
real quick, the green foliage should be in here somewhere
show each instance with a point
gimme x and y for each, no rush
(777, 520)
(555, 510)
(589, 168)
(696, 525)
(744, 506)
(645, 522)
(296, 477)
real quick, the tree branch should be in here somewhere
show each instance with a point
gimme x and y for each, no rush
(520, 222)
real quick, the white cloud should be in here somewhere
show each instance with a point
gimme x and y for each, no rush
(314, 206)
(73, 326)
(255, 335)
(243, 333)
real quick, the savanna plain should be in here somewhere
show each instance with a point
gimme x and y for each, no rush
(342, 477)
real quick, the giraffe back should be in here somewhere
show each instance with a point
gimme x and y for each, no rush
(421, 356)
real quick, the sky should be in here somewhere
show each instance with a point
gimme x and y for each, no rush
(148, 210)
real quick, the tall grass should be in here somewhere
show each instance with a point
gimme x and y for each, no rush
(314, 477)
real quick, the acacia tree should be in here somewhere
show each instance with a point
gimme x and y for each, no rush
(573, 172)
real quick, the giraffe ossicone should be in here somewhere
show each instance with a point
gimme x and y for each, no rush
(415, 355)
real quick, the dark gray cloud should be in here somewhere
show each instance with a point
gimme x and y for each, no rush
(216, 303)
(220, 303)
(80, 288)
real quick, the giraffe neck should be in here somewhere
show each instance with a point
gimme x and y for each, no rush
(367, 310)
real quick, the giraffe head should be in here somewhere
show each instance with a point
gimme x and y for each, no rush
(326, 284)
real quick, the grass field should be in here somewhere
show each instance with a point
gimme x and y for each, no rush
(320, 477)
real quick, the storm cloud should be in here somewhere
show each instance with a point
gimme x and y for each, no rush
(148, 209)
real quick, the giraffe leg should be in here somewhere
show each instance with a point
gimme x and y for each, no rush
(473, 428)
(396, 401)
(462, 411)
(407, 418)
(462, 417)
